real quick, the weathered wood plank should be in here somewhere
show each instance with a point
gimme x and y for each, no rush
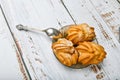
(84, 11)
(36, 48)
(10, 63)
(96, 69)
(109, 10)
(39, 67)
(35, 51)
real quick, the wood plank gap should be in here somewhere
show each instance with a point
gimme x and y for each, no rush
(18, 50)
(68, 11)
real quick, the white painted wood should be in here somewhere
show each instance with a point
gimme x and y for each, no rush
(9, 66)
(84, 11)
(36, 48)
(36, 51)
(109, 10)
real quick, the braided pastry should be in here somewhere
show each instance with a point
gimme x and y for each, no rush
(65, 51)
(72, 46)
(90, 53)
(81, 32)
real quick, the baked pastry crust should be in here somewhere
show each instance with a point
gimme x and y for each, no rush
(90, 53)
(65, 52)
(74, 46)
(81, 32)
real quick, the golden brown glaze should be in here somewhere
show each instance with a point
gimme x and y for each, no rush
(81, 32)
(65, 51)
(75, 46)
(90, 53)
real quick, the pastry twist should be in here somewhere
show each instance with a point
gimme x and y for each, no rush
(81, 32)
(90, 53)
(65, 52)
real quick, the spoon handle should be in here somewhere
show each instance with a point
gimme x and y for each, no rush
(26, 28)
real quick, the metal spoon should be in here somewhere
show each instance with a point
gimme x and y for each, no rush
(51, 32)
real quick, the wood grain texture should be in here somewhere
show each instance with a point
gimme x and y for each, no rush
(109, 10)
(36, 47)
(86, 12)
(10, 67)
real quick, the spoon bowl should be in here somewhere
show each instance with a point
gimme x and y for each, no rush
(51, 32)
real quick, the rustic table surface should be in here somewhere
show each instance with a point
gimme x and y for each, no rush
(27, 55)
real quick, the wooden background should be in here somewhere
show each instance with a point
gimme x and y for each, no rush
(28, 56)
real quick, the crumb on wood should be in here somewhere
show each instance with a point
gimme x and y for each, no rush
(100, 75)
